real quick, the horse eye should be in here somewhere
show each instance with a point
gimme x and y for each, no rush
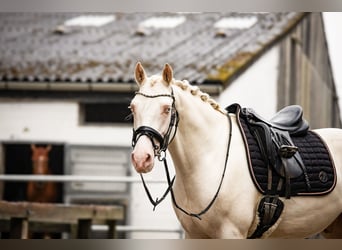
(167, 109)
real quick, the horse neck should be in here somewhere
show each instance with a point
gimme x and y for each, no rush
(201, 135)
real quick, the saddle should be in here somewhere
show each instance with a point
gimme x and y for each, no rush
(276, 166)
(275, 143)
(288, 119)
(279, 154)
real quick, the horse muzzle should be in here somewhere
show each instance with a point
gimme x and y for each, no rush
(142, 156)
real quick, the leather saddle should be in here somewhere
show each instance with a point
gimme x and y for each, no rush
(288, 119)
(274, 140)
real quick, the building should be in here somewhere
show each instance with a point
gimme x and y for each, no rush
(66, 79)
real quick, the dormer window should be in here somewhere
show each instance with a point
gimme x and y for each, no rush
(163, 22)
(236, 22)
(90, 20)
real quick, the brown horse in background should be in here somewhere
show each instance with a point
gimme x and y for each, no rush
(41, 191)
(37, 191)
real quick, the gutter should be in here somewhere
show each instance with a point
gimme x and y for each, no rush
(211, 89)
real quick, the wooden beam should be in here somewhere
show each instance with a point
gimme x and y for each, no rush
(29, 216)
(58, 213)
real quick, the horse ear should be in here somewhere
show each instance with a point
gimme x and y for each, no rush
(167, 73)
(139, 74)
(33, 147)
(48, 148)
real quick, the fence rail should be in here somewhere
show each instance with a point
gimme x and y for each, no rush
(74, 178)
(140, 229)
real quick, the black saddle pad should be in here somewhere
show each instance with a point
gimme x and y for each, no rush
(315, 156)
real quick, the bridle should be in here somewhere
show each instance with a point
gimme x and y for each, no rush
(152, 134)
(160, 151)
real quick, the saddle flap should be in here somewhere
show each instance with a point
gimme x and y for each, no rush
(289, 167)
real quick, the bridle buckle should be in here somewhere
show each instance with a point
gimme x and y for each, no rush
(161, 155)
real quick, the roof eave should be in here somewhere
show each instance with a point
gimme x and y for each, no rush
(118, 87)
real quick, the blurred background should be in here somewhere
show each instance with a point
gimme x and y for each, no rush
(66, 80)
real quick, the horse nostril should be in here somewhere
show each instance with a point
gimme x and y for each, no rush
(148, 157)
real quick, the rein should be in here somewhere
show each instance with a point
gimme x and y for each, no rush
(161, 153)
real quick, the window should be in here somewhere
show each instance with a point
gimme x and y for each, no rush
(105, 113)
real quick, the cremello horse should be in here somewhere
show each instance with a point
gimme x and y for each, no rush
(198, 151)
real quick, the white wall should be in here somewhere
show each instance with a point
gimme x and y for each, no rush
(57, 122)
(256, 87)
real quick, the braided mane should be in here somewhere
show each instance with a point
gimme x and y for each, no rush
(195, 91)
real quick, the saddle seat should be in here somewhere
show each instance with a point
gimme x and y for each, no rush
(288, 119)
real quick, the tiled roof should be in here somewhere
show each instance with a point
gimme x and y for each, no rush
(40, 47)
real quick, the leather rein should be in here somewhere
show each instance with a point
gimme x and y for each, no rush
(160, 152)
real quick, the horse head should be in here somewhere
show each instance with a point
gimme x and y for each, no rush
(154, 116)
(40, 159)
